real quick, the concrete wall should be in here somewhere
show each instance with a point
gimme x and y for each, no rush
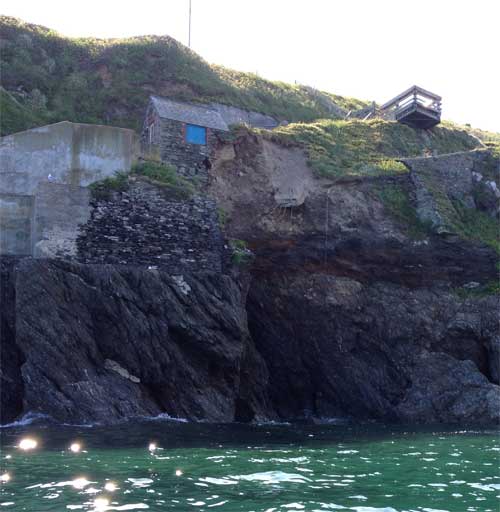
(59, 210)
(71, 153)
(16, 218)
(42, 172)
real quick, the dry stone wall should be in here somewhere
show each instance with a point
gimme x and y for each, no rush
(147, 226)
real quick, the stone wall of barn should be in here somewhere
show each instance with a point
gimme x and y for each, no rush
(169, 144)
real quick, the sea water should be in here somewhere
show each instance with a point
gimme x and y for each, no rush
(165, 465)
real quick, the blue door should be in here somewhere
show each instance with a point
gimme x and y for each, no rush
(196, 134)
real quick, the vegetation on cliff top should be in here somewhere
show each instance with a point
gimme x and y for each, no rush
(468, 223)
(56, 78)
(157, 173)
(337, 148)
(165, 176)
(14, 115)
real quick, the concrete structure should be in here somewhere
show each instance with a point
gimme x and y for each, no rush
(43, 175)
(182, 134)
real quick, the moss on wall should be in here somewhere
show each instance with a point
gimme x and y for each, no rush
(401, 208)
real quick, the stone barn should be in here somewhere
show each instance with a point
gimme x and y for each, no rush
(182, 134)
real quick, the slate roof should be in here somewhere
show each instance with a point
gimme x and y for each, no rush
(189, 113)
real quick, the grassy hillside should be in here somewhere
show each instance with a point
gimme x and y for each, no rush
(52, 78)
(15, 116)
(358, 148)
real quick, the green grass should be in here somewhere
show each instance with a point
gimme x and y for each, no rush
(104, 189)
(109, 81)
(494, 147)
(491, 140)
(472, 224)
(468, 223)
(222, 216)
(165, 176)
(484, 135)
(338, 148)
(490, 288)
(162, 175)
(14, 116)
(241, 255)
(397, 203)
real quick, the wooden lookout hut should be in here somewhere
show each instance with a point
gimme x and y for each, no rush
(415, 107)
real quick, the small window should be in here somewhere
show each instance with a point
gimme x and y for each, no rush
(196, 134)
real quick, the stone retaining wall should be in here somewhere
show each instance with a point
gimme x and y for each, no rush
(147, 226)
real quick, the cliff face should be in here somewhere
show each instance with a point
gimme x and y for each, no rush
(101, 343)
(359, 302)
(378, 350)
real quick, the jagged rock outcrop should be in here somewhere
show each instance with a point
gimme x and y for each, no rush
(11, 358)
(374, 350)
(102, 343)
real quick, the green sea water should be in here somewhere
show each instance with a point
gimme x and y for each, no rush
(271, 468)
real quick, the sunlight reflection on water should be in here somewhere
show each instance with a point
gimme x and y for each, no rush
(252, 468)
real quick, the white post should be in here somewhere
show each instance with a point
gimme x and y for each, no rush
(189, 36)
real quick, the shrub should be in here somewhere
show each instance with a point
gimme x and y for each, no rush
(103, 189)
(165, 176)
(490, 288)
(241, 255)
(15, 117)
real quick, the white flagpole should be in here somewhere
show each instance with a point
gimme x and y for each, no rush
(189, 36)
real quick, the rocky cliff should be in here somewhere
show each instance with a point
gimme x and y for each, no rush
(376, 295)
(99, 343)
(370, 295)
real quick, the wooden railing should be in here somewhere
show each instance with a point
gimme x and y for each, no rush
(414, 98)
